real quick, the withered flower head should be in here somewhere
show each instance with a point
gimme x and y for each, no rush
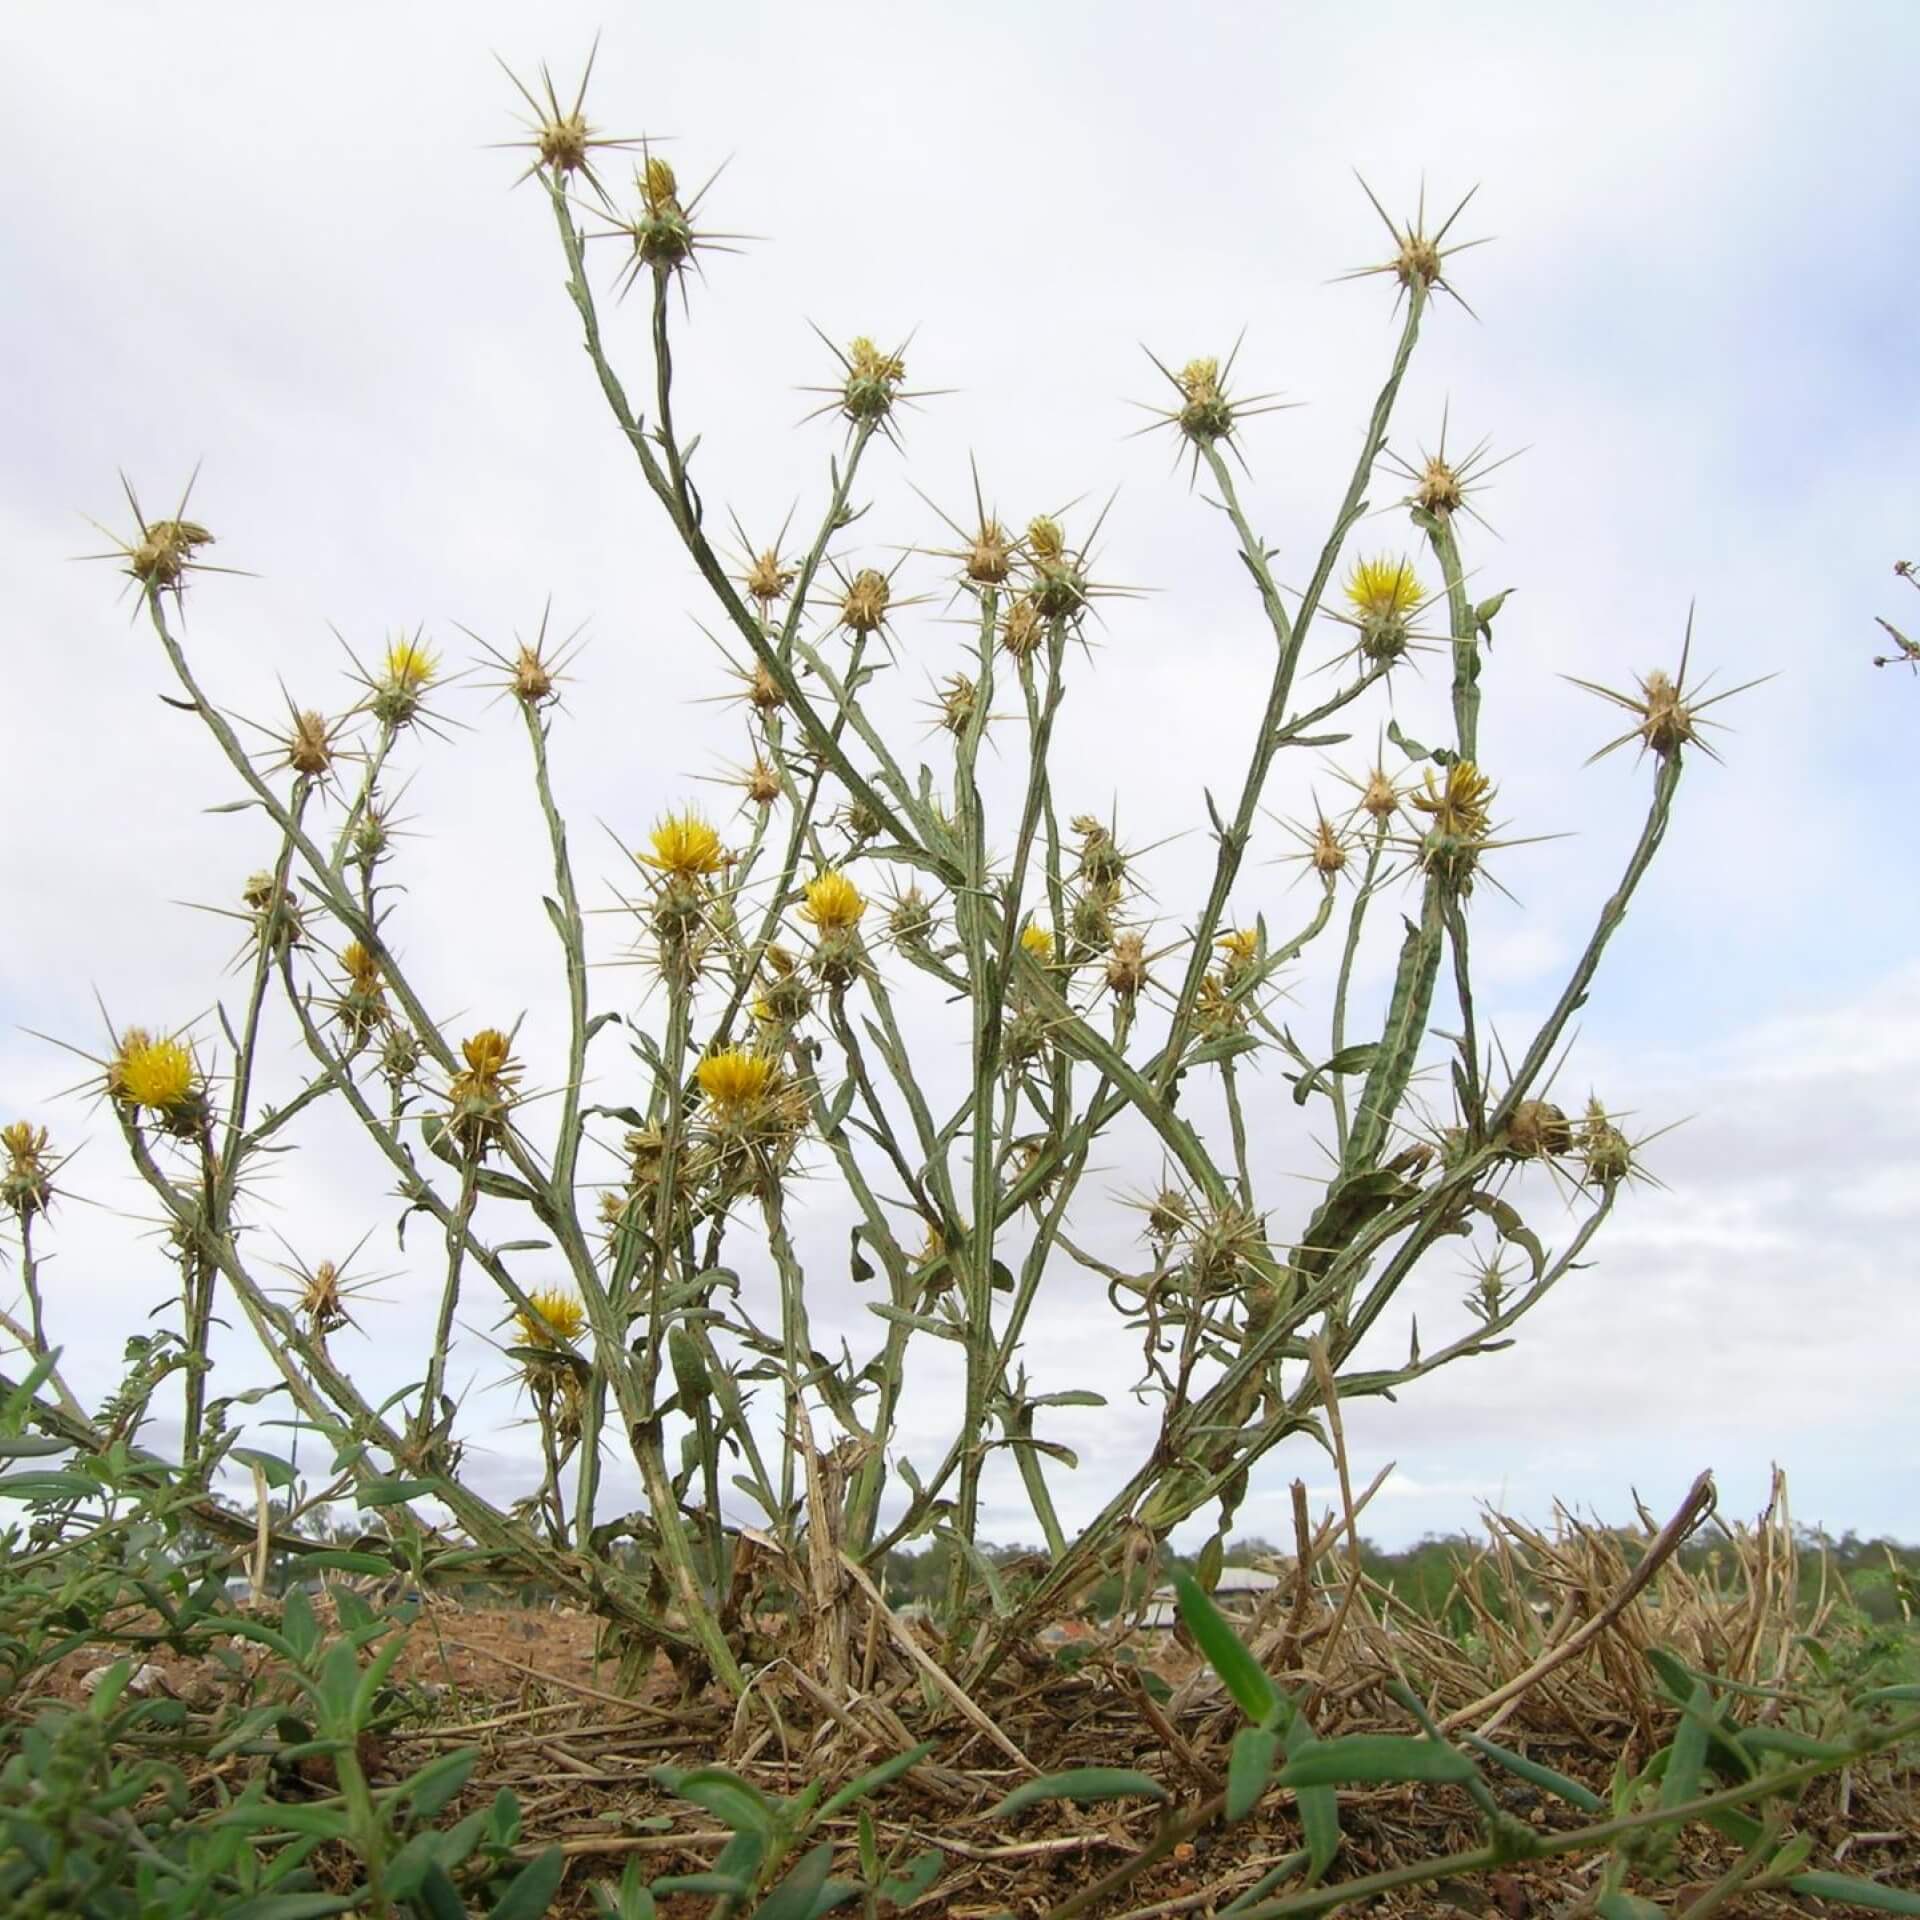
(863, 607)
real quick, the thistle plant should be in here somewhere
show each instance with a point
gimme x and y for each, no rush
(622, 1235)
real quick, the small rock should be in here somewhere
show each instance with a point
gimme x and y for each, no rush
(146, 1679)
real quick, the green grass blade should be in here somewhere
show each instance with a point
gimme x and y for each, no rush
(1082, 1784)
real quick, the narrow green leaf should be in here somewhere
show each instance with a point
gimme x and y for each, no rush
(1240, 1673)
(1250, 1762)
(1687, 1757)
(530, 1892)
(1536, 1775)
(1859, 1893)
(345, 1560)
(1627, 1906)
(1798, 1746)
(437, 1894)
(793, 1898)
(724, 1795)
(1373, 1759)
(291, 1906)
(31, 1446)
(1319, 1807)
(1080, 1785)
(906, 1886)
(277, 1473)
(438, 1781)
(390, 1492)
(48, 1486)
(878, 1777)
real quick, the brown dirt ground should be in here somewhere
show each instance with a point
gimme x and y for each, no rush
(555, 1724)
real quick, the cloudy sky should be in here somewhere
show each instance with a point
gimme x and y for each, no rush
(277, 243)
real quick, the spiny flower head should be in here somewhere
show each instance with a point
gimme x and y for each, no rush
(27, 1185)
(911, 917)
(483, 1092)
(533, 679)
(1102, 865)
(1090, 923)
(1605, 1150)
(322, 1301)
(873, 378)
(309, 744)
(1420, 258)
(558, 1319)
(278, 923)
(408, 670)
(1207, 414)
(685, 847)
(1667, 712)
(863, 607)
(833, 902)
(365, 999)
(1326, 850)
(1459, 808)
(165, 550)
(785, 998)
(735, 1081)
(1022, 627)
(958, 699)
(761, 783)
(1127, 964)
(561, 138)
(1379, 797)
(1538, 1131)
(1059, 588)
(159, 1075)
(1668, 724)
(1169, 1215)
(768, 578)
(989, 556)
(1439, 489)
(662, 233)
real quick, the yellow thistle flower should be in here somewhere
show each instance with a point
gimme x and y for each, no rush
(363, 970)
(560, 1320)
(833, 904)
(159, 1075)
(1384, 589)
(27, 1185)
(489, 1060)
(686, 847)
(658, 187)
(411, 666)
(870, 363)
(24, 1144)
(1038, 941)
(1459, 807)
(1241, 945)
(481, 1094)
(735, 1080)
(1045, 541)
